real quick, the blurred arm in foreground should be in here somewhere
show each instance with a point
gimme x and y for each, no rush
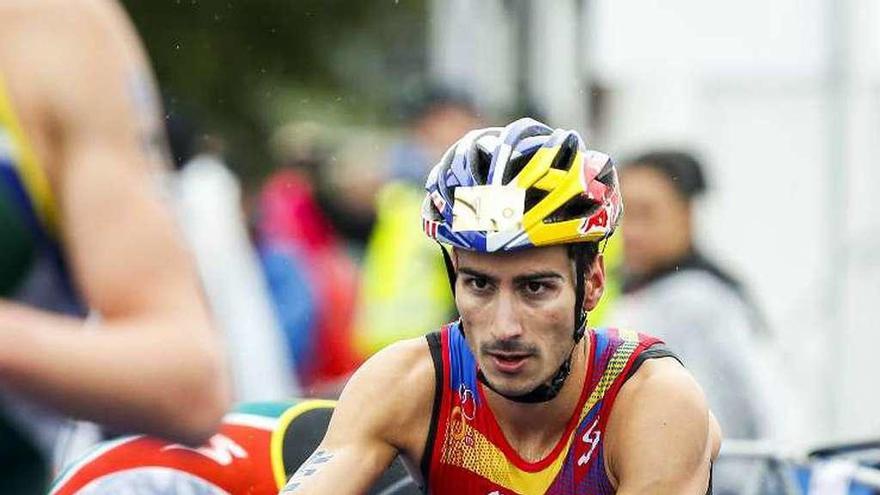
(76, 74)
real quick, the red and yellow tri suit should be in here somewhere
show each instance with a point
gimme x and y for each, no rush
(467, 452)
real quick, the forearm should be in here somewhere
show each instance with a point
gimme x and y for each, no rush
(159, 376)
(344, 470)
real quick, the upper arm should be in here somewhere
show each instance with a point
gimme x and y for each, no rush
(383, 411)
(662, 437)
(106, 157)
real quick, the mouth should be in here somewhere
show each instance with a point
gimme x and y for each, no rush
(509, 363)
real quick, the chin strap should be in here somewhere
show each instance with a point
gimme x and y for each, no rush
(450, 268)
(549, 390)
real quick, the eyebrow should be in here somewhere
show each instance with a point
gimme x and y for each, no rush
(530, 277)
(477, 273)
(519, 279)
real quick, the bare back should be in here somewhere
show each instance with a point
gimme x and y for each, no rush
(85, 100)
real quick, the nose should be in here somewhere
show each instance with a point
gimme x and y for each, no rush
(507, 322)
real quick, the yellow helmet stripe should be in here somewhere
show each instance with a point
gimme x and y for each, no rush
(536, 168)
(551, 180)
(569, 187)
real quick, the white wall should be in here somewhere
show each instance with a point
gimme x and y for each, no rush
(787, 115)
(782, 98)
(470, 50)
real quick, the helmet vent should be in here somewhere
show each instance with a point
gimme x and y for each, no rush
(606, 175)
(563, 159)
(579, 206)
(514, 166)
(481, 166)
(533, 197)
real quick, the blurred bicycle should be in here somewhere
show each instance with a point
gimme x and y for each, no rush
(843, 469)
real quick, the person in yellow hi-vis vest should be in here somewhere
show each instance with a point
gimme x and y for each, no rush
(613, 254)
(404, 290)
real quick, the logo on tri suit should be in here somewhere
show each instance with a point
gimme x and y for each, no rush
(465, 411)
(590, 438)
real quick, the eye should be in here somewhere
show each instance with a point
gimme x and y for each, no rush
(477, 284)
(534, 288)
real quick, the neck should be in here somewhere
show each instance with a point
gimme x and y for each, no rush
(517, 420)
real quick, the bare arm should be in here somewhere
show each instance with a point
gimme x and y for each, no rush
(662, 437)
(154, 364)
(384, 410)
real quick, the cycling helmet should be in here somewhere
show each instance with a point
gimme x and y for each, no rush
(570, 194)
(520, 186)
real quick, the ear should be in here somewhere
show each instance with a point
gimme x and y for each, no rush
(595, 282)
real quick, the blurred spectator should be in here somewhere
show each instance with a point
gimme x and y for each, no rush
(686, 299)
(404, 290)
(434, 120)
(346, 181)
(312, 277)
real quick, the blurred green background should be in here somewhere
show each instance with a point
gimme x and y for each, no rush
(240, 68)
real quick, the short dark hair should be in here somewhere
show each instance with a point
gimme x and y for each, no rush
(683, 169)
(586, 251)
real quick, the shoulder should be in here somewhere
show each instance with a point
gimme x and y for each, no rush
(660, 432)
(401, 364)
(96, 12)
(90, 58)
(78, 22)
(390, 397)
(79, 39)
(658, 378)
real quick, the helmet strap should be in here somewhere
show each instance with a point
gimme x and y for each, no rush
(450, 268)
(580, 288)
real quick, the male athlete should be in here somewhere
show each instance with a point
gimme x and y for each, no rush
(81, 156)
(518, 396)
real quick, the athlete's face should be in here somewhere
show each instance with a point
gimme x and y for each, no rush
(518, 312)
